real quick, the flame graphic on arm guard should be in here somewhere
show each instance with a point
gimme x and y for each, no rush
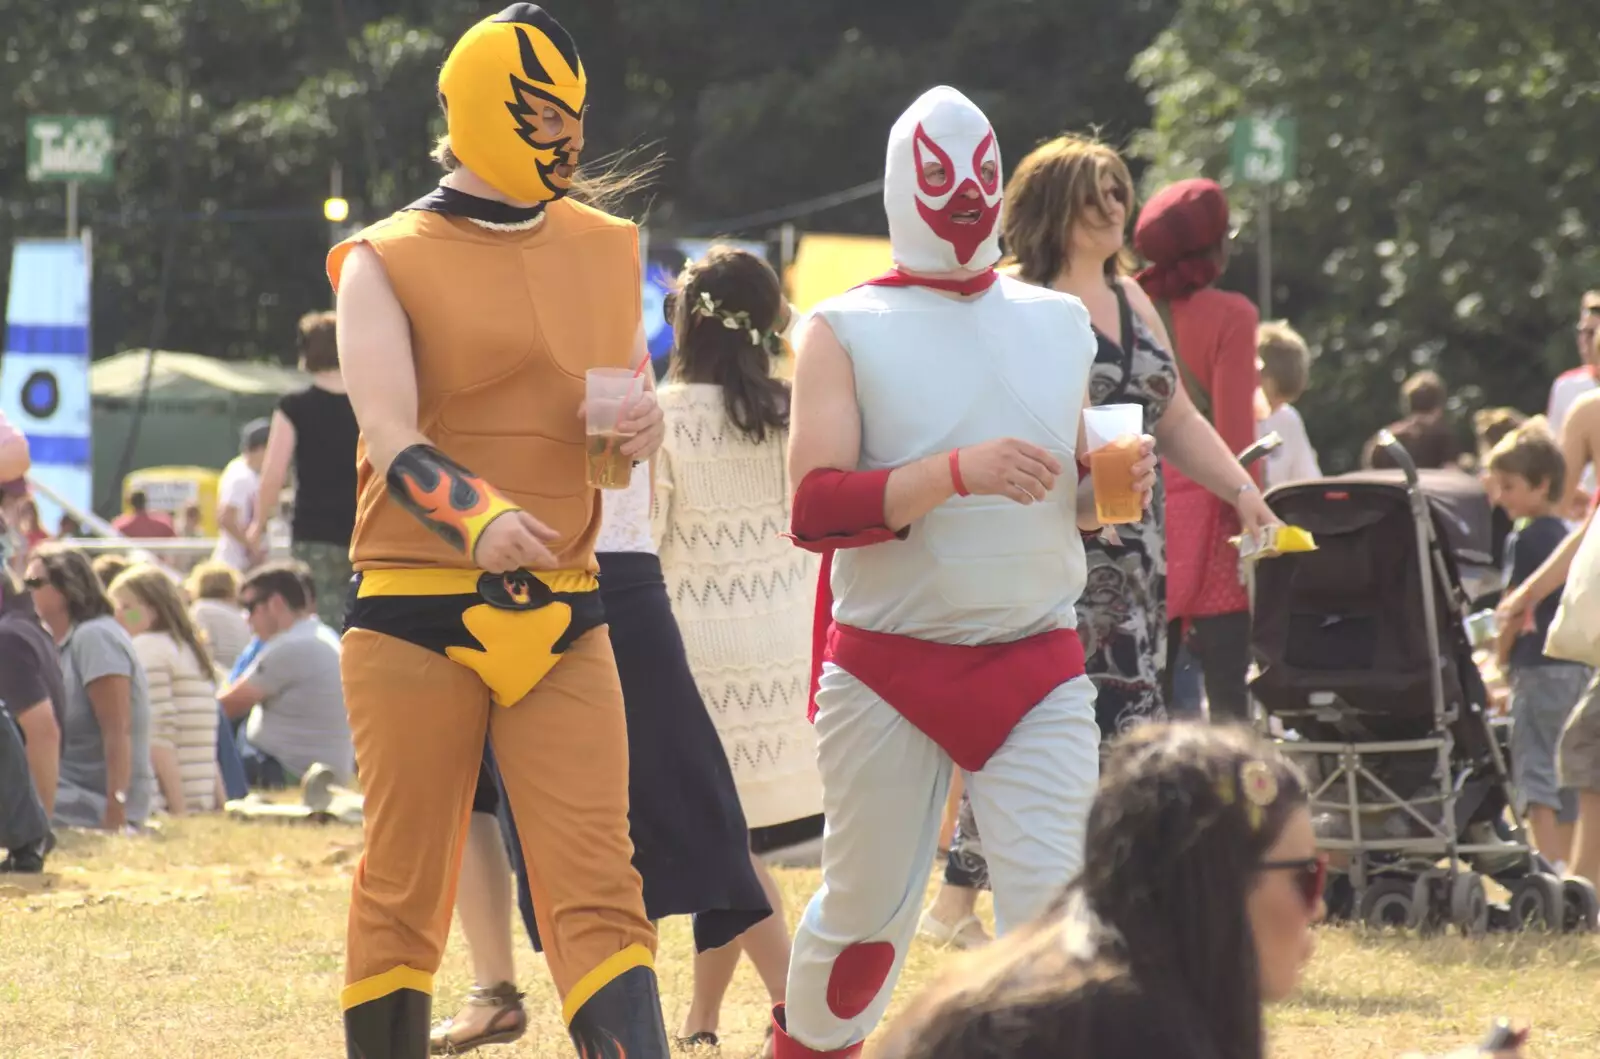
(451, 501)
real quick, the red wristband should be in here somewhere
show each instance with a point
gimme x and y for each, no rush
(955, 473)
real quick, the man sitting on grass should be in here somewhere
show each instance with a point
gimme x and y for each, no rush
(291, 689)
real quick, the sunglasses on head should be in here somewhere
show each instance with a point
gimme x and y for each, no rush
(1310, 875)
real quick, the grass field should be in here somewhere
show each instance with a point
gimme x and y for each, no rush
(217, 939)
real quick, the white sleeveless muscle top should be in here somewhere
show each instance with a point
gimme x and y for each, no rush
(934, 373)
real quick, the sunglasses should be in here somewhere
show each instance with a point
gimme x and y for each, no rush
(250, 605)
(34, 584)
(1310, 876)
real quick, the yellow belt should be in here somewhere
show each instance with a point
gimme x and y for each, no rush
(438, 581)
(506, 632)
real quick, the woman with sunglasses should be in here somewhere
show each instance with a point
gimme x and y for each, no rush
(106, 780)
(1068, 205)
(1195, 908)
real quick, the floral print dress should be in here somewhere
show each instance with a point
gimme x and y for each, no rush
(1122, 616)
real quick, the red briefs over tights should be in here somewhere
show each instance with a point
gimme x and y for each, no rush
(966, 699)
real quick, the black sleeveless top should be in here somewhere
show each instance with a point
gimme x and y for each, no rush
(324, 465)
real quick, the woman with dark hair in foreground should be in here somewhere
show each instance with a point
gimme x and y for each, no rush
(1201, 886)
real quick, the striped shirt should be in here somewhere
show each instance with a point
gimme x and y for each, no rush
(183, 715)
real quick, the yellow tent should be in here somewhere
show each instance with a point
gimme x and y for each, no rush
(825, 265)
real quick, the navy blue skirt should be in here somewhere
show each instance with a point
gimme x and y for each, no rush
(690, 842)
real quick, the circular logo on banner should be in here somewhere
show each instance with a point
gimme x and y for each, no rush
(41, 395)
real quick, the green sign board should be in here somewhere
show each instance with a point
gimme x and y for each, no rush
(1263, 150)
(64, 147)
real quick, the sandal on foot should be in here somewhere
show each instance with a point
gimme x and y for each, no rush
(508, 1023)
(703, 1039)
(966, 934)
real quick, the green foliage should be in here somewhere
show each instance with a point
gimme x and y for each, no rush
(1446, 201)
(231, 114)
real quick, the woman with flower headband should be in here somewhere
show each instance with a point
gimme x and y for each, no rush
(1201, 885)
(742, 594)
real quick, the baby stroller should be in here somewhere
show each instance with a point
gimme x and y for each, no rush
(1363, 658)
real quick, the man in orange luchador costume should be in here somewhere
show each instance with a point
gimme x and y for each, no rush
(466, 324)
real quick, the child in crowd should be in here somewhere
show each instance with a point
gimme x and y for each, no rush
(213, 589)
(1529, 475)
(1489, 425)
(183, 689)
(1285, 364)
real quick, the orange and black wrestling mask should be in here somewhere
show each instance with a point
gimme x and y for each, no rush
(515, 95)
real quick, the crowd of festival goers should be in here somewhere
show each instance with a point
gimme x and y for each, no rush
(136, 689)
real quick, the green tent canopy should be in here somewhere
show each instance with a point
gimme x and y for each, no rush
(196, 408)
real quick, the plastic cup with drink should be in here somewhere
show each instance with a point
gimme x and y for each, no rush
(1114, 432)
(608, 395)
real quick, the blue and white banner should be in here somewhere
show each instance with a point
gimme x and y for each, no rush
(44, 374)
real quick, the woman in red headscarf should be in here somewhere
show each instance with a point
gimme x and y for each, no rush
(1183, 233)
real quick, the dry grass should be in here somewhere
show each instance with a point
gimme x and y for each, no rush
(224, 940)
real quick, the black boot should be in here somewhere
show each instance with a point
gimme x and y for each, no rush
(28, 860)
(394, 1026)
(622, 1020)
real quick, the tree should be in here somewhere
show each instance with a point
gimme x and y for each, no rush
(231, 115)
(1445, 205)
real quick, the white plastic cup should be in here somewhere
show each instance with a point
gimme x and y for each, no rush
(609, 393)
(1112, 432)
(605, 392)
(1106, 423)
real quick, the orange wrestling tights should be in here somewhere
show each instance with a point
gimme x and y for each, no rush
(418, 721)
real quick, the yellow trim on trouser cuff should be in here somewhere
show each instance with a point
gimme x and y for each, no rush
(611, 967)
(381, 985)
(449, 581)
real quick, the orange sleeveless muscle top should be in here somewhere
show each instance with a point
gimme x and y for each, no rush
(503, 327)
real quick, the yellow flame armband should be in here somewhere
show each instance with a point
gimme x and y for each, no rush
(445, 497)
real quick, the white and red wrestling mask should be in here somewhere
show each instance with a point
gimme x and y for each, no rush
(942, 186)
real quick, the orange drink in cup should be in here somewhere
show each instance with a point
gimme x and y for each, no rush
(608, 393)
(1113, 433)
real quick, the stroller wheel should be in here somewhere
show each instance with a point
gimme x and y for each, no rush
(1387, 904)
(1581, 908)
(1469, 904)
(1538, 903)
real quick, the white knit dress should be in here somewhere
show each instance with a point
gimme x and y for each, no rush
(743, 596)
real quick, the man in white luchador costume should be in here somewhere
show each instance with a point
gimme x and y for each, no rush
(937, 425)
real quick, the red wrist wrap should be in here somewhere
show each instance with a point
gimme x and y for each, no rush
(840, 509)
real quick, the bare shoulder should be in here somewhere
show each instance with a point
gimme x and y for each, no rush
(823, 370)
(815, 340)
(362, 270)
(1586, 410)
(1141, 302)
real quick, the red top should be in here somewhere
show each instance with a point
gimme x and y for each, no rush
(1215, 334)
(145, 525)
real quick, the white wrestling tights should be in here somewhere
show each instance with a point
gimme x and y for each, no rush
(884, 787)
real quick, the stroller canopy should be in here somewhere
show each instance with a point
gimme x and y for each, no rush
(1459, 502)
